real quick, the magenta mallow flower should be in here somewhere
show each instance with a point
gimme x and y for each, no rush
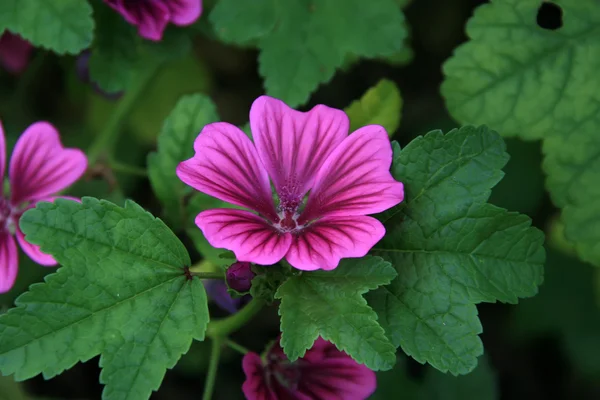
(15, 52)
(39, 168)
(152, 16)
(323, 373)
(347, 175)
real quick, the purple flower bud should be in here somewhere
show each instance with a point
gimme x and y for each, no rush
(217, 291)
(239, 276)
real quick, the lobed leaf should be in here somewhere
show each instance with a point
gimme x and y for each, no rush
(122, 292)
(452, 250)
(63, 26)
(330, 304)
(536, 83)
(303, 42)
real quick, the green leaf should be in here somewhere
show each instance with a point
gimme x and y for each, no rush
(63, 26)
(119, 53)
(303, 42)
(381, 105)
(329, 304)
(176, 144)
(566, 308)
(122, 292)
(524, 80)
(451, 249)
(113, 57)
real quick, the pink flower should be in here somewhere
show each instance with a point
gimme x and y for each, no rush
(348, 177)
(39, 168)
(14, 52)
(152, 16)
(323, 373)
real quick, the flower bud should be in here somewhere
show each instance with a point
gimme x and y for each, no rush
(239, 276)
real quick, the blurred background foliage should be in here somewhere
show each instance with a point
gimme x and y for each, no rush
(546, 348)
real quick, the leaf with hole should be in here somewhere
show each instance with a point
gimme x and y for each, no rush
(539, 82)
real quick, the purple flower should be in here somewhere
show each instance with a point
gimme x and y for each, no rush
(217, 291)
(348, 177)
(39, 168)
(152, 16)
(15, 52)
(323, 373)
(239, 276)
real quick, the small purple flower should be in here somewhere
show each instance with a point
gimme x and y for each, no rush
(15, 52)
(217, 291)
(239, 276)
(152, 16)
(39, 168)
(323, 373)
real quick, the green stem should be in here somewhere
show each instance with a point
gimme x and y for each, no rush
(224, 327)
(237, 347)
(118, 166)
(213, 366)
(202, 266)
(105, 140)
(208, 275)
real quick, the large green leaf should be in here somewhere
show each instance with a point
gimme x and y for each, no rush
(64, 26)
(451, 249)
(330, 304)
(176, 144)
(122, 292)
(303, 42)
(536, 83)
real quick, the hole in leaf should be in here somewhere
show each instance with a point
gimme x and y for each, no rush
(550, 16)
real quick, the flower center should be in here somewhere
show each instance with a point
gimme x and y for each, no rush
(8, 216)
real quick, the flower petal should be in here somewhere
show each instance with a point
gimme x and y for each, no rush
(150, 16)
(9, 262)
(227, 167)
(255, 386)
(250, 237)
(2, 157)
(322, 244)
(335, 376)
(34, 252)
(15, 52)
(185, 12)
(356, 178)
(41, 166)
(293, 145)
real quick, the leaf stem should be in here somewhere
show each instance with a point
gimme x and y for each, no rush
(213, 366)
(236, 346)
(201, 266)
(105, 140)
(225, 326)
(118, 166)
(208, 275)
